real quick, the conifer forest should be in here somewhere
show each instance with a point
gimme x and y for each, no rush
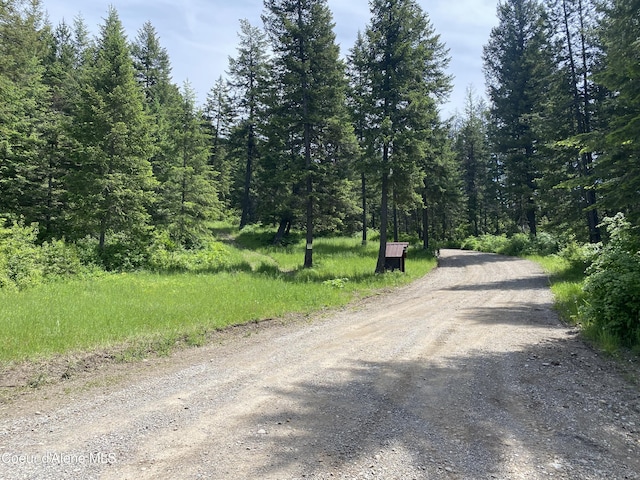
(105, 159)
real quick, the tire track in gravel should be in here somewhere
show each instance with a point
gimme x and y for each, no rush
(465, 374)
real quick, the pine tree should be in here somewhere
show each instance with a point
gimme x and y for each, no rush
(517, 61)
(188, 197)
(472, 149)
(220, 115)
(568, 184)
(312, 119)
(443, 188)
(358, 101)
(618, 166)
(113, 182)
(407, 80)
(249, 76)
(22, 110)
(152, 64)
(164, 107)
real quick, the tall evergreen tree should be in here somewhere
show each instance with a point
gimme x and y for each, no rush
(472, 149)
(568, 182)
(164, 107)
(312, 113)
(407, 80)
(22, 109)
(249, 74)
(220, 115)
(152, 65)
(62, 79)
(517, 62)
(443, 188)
(618, 166)
(188, 197)
(358, 101)
(113, 183)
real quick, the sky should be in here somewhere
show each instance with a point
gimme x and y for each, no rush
(201, 35)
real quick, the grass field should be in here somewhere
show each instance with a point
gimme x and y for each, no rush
(150, 312)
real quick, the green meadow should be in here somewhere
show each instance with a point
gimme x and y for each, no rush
(145, 313)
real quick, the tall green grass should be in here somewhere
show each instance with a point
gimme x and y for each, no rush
(152, 311)
(567, 279)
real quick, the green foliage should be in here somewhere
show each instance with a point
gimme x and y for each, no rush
(24, 263)
(517, 245)
(213, 257)
(517, 63)
(20, 258)
(336, 282)
(612, 286)
(401, 65)
(60, 259)
(619, 166)
(309, 132)
(145, 313)
(112, 182)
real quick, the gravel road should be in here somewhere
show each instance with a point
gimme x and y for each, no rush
(464, 374)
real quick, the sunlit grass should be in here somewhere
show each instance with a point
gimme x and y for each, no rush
(566, 285)
(153, 311)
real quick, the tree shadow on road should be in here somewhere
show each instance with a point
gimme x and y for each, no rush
(521, 414)
(463, 258)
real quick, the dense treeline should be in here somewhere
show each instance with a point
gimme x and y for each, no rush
(556, 146)
(99, 146)
(105, 163)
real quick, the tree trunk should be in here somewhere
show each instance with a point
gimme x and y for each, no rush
(395, 219)
(425, 228)
(308, 253)
(283, 227)
(384, 214)
(364, 209)
(531, 219)
(246, 196)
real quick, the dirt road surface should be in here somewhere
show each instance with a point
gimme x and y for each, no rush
(465, 374)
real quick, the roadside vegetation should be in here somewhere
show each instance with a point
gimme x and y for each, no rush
(55, 300)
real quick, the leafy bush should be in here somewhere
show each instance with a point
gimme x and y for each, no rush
(579, 256)
(20, 258)
(612, 286)
(170, 258)
(123, 252)
(486, 243)
(60, 259)
(24, 263)
(545, 244)
(516, 245)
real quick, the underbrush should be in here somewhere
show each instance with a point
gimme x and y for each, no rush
(517, 245)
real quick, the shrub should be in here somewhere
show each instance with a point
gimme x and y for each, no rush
(612, 286)
(170, 258)
(516, 245)
(60, 259)
(124, 252)
(545, 244)
(486, 243)
(20, 257)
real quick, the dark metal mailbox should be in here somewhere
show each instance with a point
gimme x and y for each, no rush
(395, 255)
